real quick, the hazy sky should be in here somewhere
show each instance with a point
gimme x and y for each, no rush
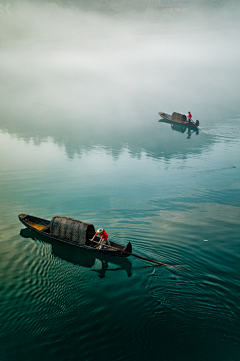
(65, 65)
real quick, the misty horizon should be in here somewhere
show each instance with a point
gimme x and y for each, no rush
(73, 69)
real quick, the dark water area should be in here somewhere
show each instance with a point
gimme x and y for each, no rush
(80, 136)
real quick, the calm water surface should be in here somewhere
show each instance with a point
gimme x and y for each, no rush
(174, 194)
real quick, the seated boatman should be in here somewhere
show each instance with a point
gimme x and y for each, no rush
(103, 238)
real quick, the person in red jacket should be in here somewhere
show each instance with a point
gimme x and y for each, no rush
(103, 237)
(189, 117)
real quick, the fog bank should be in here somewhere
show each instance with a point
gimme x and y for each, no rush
(61, 64)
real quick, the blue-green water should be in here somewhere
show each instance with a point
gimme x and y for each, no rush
(174, 195)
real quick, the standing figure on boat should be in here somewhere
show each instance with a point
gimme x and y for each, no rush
(103, 238)
(189, 117)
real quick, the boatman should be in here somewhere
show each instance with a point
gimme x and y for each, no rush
(103, 238)
(189, 117)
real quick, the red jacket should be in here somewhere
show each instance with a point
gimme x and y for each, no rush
(103, 236)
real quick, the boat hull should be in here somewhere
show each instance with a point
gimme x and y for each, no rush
(42, 226)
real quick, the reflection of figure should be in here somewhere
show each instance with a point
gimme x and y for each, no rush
(101, 273)
(189, 133)
(189, 117)
(103, 237)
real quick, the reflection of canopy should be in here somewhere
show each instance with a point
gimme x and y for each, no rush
(71, 229)
(177, 117)
(179, 128)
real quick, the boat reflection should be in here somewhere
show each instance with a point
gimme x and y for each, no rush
(82, 257)
(80, 139)
(181, 128)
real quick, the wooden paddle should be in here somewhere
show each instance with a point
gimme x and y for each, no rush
(144, 258)
(151, 260)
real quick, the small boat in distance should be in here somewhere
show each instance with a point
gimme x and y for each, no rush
(179, 118)
(73, 232)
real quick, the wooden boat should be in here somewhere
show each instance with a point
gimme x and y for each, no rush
(80, 256)
(179, 118)
(73, 232)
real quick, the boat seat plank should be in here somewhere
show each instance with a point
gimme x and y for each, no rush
(37, 226)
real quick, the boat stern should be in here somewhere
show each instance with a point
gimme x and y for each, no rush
(128, 248)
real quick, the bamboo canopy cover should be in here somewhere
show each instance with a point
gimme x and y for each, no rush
(71, 229)
(177, 117)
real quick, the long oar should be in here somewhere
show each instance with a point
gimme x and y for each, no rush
(151, 260)
(144, 258)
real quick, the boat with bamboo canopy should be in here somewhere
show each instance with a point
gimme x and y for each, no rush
(80, 234)
(179, 118)
(74, 232)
